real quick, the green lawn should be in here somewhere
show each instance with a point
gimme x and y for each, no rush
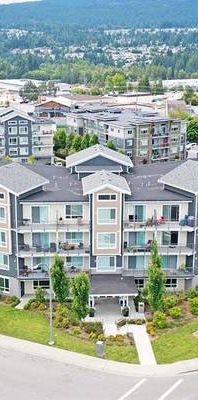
(34, 327)
(176, 345)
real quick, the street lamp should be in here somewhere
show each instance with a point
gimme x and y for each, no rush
(51, 341)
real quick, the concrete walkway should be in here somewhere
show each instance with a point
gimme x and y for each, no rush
(23, 301)
(143, 345)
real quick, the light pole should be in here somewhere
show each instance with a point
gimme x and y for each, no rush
(51, 341)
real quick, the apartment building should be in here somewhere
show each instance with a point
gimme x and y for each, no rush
(101, 214)
(22, 135)
(144, 137)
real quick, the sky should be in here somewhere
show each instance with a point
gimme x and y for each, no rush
(14, 1)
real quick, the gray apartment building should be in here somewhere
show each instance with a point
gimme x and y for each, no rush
(101, 214)
(22, 135)
(144, 137)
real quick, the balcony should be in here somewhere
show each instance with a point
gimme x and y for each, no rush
(65, 249)
(40, 272)
(170, 272)
(172, 249)
(185, 224)
(26, 225)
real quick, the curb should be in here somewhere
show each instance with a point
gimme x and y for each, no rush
(93, 363)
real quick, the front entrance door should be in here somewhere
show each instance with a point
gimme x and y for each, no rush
(22, 288)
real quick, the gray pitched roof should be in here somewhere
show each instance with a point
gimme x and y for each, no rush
(97, 150)
(184, 177)
(103, 179)
(12, 113)
(18, 179)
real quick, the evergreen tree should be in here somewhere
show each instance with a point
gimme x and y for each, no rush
(156, 280)
(80, 294)
(76, 143)
(85, 141)
(93, 140)
(111, 145)
(60, 281)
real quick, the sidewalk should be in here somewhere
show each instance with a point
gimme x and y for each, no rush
(143, 345)
(93, 363)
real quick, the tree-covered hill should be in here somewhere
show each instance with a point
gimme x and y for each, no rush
(100, 13)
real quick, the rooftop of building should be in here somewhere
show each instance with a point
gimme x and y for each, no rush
(143, 183)
(185, 177)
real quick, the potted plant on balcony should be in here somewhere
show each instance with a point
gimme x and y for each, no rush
(125, 311)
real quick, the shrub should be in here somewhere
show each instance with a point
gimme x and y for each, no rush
(169, 302)
(125, 311)
(76, 331)
(117, 339)
(194, 305)
(136, 321)
(150, 328)
(102, 338)
(91, 312)
(181, 296)
(192, 293)
(12, 300)
(175, 312)
(40, 295)
(95, 327)
(159, 320)
(42, 307)
(32, 305)
(121, 322)
(93, 336)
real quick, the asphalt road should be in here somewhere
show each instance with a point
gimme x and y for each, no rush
(25, 377)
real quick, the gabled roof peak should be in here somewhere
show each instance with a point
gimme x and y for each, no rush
(103, 179)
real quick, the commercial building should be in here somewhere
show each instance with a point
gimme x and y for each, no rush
(22, 135)
(144, 137)
(100, 213)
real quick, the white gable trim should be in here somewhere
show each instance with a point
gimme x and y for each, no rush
(99, 153)
(105, 186)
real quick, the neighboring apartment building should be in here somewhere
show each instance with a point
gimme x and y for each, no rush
(144, 138)
(100, 214)
(22, 135)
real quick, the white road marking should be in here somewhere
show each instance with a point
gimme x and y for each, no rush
(133, 389)
(171, 389)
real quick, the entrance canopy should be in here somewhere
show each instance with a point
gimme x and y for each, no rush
(112, 285)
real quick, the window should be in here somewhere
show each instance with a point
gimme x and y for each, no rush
(139, 283)
(40, 240)
(39, 214)
(12, 130)
(4, 284)
(106, 263)
(12, 122)
(106, 215)
(74, 237)
(23, 130)
(171, 213)
(2, 214)
(137, 239)
(106, 240)
(13, 141)
(2, 195)
(13, 152)
(129, 142)
(24, 151)
(23, 140)
(169, 262)
(2, 143)
(136, 262)
(135, 213)
(74, 211)
(2, 239)
(107, 197)
(42, 263)
(41, 284)
(4, 261)
(129, 153)
(130, 132)
(23, 122)
(171, 283)
(74, 261)
(169, 238)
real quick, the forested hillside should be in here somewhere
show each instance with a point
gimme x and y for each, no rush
(95, 13)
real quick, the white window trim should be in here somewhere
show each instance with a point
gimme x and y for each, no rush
(3, 219)
(13, 144)
(15, 150)
(107, 194)
(2, 244)
(106, 233)
(73, 204)
(2, 198)
(5, 267)
(12, 133)
(21, 151)
(106, 270)
(5, 277)
(172, 287)
(12, 123)
(66, 263)
(114, 222)
(23, 122)
(21, 142)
